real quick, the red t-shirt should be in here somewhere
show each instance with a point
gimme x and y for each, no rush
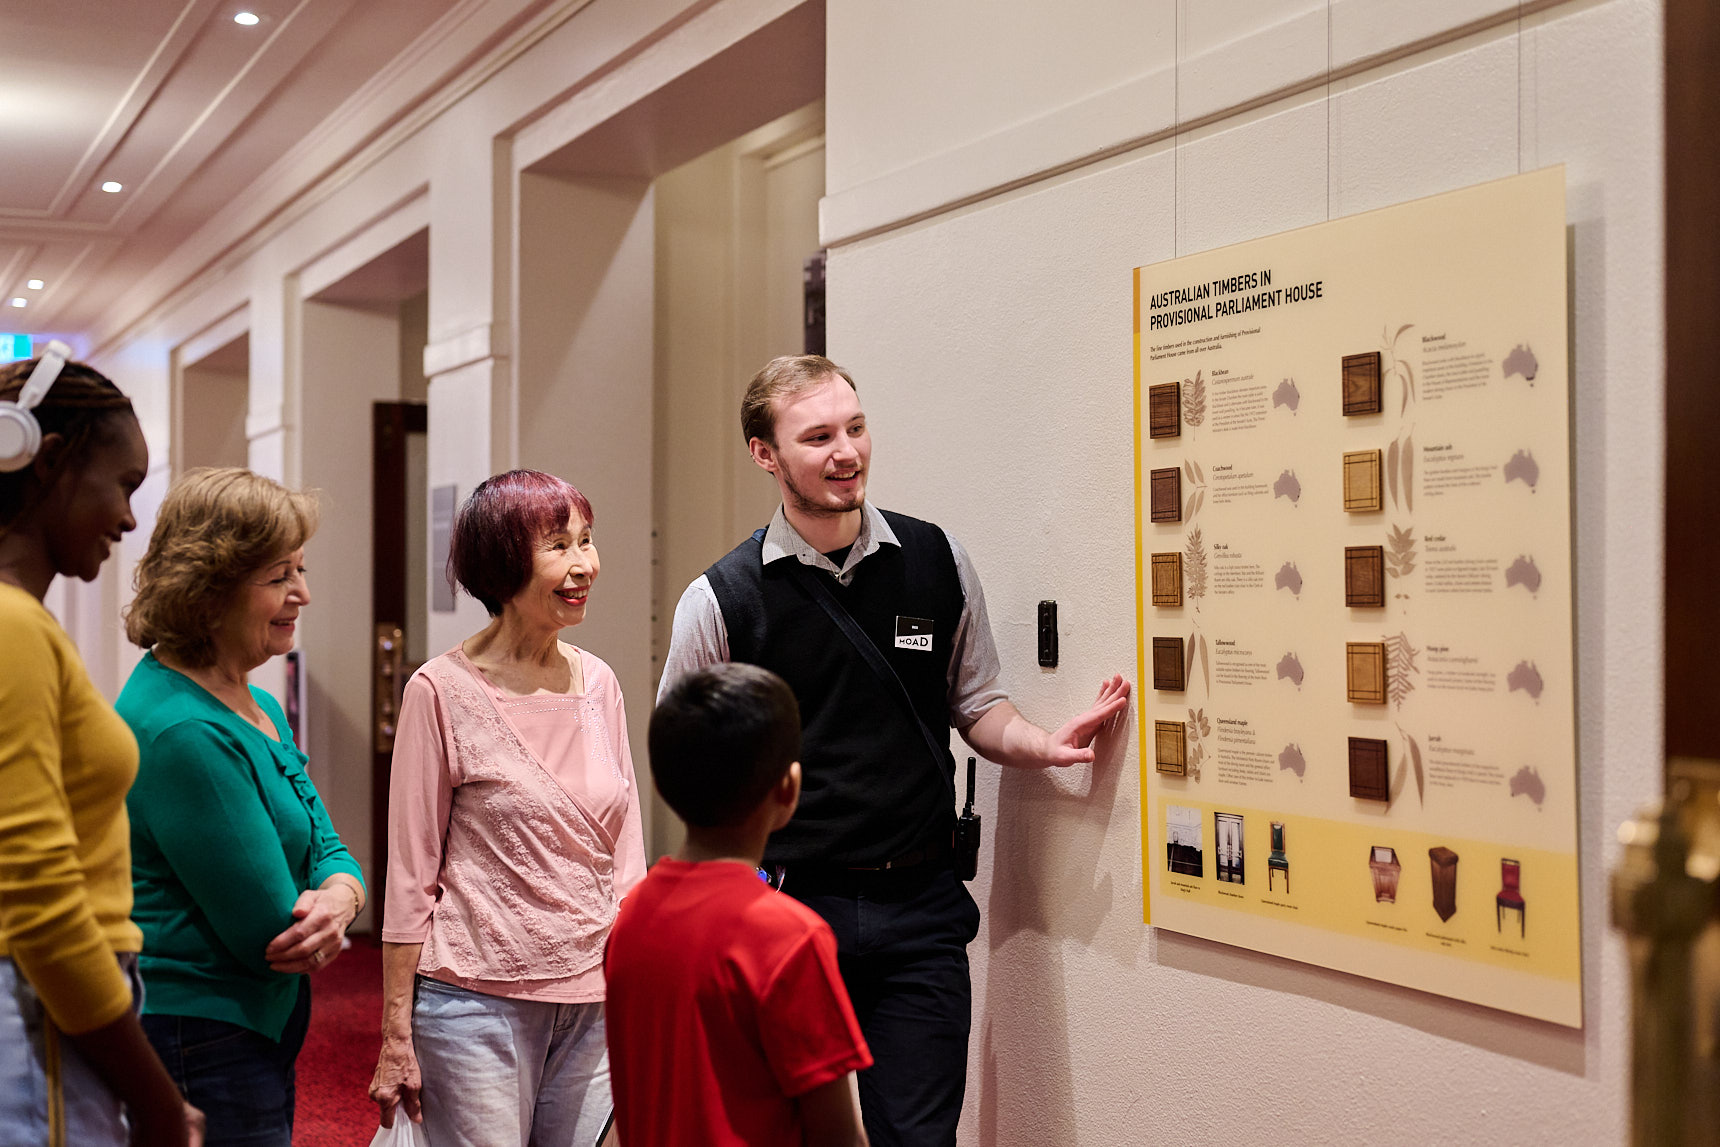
(724, 1004)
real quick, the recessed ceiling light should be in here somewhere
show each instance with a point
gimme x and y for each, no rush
(35, 284)
(20, 302)
(110, 187)
(247, 18)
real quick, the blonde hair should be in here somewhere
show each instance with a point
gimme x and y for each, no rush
(789, 376)
(215, 527)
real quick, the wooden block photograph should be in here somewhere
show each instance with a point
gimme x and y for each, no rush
(1167, 579)
(1365, 576)
(1366, 671)
(1166, 487)
(1362, 383)
(1362, 481)
(1168, 664)
(1170, 748)
(1444, 864)
(1164, 410)
(1370, 780)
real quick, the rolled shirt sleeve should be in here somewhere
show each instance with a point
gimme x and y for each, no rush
(698, 637)
(974, 664)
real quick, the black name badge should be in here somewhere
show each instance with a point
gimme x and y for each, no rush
(914, 633)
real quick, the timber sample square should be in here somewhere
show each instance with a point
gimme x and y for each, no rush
(1365, 663)
(1362, 383)
(1365, 576)
(1370, 780)
(1167, 579)
(1168, 664)
(1167, 495)
(1164, 410)
(1444, 863)
(1362, 481)
(1170, 748)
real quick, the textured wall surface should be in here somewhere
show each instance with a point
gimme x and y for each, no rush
(992, 343)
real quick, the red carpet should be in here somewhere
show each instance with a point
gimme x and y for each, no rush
(334, 1069)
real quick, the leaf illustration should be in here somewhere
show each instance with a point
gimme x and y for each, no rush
(1198, 476)
(1194, 565)
(1404, 405)
(1199, 499)
(1409, 374)
(1392, 469)
(1400, 551)
(1397, 781)
(1188, 659)
(1409, 473)
(1400, 668)
(1188, 508)
(1415, 763)
(1205, 665)
(1401, 330)
(1188, 468)
(1194, 399)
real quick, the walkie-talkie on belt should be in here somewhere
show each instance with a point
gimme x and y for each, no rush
(967, 834)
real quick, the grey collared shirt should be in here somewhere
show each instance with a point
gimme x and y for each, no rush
(700, 637)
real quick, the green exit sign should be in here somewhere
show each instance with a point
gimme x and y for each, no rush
(14, 347)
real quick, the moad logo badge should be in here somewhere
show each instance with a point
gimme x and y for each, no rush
(914, 633)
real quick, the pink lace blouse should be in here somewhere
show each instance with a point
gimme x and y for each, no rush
(513, 831)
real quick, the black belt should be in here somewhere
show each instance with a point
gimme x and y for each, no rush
(921, 860)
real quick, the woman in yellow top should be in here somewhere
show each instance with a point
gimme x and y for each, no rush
(75, 1067)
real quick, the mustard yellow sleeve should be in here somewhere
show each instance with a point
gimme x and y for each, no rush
(46, 922)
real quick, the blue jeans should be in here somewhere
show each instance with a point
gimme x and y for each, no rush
(40, 1070)
(901, 942)
(243, 1081)
(509, 1073)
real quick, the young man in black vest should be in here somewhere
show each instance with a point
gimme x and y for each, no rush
(870, 847)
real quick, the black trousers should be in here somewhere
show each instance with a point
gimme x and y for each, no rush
(901, 939)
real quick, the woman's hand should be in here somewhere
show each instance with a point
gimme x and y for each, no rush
(312, 941)
(397, 1082)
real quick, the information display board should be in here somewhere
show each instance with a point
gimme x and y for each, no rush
(1353, 561)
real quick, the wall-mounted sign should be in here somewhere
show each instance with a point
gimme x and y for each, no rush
(15, 347)
(1367, 640)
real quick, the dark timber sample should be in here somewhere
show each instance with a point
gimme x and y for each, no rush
(1362, 481)
(1444, 863)
(1365, 663)
(1168, 664)
(1365, 576)
(1369, 778)
(1362, 383)
(1170, 748)
(1164, 410)
(1167, 579)
(1166, 493)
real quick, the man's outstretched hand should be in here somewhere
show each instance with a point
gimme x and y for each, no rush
(1073, 743)
(1005, 736)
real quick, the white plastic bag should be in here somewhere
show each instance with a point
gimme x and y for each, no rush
(404, 1133)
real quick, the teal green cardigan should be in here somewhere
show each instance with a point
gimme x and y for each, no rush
(226, 832)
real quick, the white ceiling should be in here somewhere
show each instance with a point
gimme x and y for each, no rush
(178, 103)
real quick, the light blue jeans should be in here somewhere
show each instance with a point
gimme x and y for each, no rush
(39, 1066)
(509, 1073)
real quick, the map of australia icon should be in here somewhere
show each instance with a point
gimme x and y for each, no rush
(1287, 486)
(1287, 395)
(1521, 361)
(1522, 468)
(1290, 669)
(1524, 677)
(1291, 758)
(1523, 572)
(1527, 782)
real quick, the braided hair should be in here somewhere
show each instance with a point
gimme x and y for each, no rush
(79, 407)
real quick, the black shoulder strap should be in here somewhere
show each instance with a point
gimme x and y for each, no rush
(808, 580)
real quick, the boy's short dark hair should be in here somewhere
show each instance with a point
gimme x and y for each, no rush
(721, 738)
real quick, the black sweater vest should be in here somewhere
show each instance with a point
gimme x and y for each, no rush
(871, 790)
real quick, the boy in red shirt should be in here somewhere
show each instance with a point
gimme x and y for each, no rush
(728, 1022)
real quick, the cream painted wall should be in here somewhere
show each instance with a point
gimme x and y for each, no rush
(732, 230)
(351, 359)
(212, 417)
(585, 398)
(1089, 1027)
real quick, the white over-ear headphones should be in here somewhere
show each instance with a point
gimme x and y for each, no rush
(20, 433)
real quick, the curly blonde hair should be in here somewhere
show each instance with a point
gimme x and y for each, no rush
(214, 528)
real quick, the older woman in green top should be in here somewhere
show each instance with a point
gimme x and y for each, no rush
(241, 883)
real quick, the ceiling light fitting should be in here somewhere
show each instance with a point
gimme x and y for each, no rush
(247, 18)
(20, 302)
(110, 187)
(35, 284)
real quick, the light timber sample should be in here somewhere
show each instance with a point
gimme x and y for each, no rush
(1164, 410)
(1170, 748)
(1362, 481)
(1167, 579)
(1365, 663)
(1365, 576)
(1168, 664)
(1362, 383)
(1383, 864)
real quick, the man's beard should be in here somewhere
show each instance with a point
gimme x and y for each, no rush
(807, 506)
